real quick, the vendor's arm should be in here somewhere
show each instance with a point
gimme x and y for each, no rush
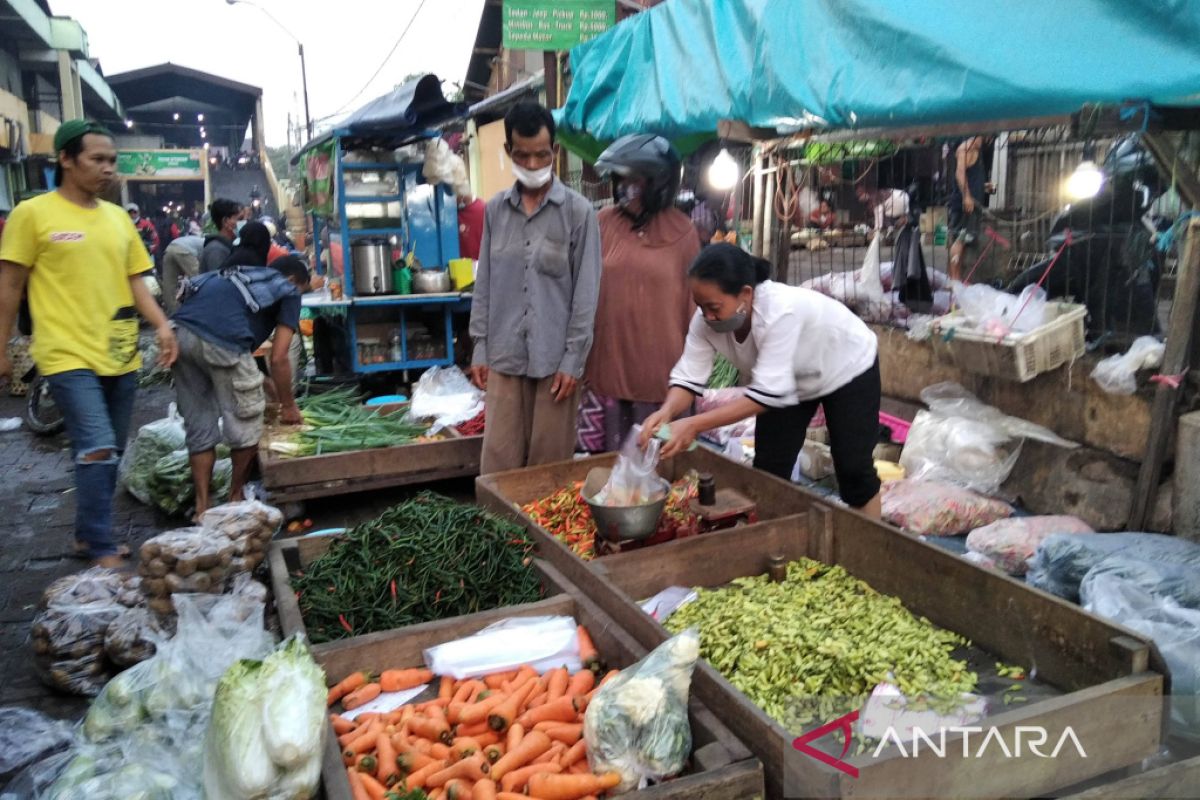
(281, 376)
(685, 431)
(12, 284)
(147, 306)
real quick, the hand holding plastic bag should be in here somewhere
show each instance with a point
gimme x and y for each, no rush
(634, 479)
(637, 724)
(447, 396)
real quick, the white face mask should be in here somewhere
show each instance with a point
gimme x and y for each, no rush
(533, 179)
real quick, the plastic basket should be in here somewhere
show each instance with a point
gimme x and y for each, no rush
(1018, 356)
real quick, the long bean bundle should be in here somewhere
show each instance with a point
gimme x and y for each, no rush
(425, 559)
(724, 373)
(337, 422)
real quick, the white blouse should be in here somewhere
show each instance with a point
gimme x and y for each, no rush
(802, 346)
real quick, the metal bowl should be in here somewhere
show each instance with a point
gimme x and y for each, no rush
(623, 523)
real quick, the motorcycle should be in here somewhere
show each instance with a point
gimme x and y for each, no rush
(41, 414)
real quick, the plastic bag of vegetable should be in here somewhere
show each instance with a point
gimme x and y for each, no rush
(27, 735)
(249, 524)
(185, 560)
(130, 637)
(170, 486)
(90, 586)
(68, 633)
(153, 441)
(1013, 541)
(1062, 560)
(637, 724)
(932, 508)
(267, 728)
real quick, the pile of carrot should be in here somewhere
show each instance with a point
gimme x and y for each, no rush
(508, 736)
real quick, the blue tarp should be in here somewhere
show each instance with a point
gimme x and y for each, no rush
(683, 66)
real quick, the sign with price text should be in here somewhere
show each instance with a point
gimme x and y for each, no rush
(555, 24)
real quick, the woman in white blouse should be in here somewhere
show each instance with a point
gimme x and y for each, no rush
(795, 349)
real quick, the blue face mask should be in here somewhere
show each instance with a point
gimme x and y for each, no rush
(241, 224)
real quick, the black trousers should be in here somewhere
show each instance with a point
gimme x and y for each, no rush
(852, 416)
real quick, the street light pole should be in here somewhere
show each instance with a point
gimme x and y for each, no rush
(300, 45)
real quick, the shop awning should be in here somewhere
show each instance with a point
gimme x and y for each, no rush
(787, 65)
(401, 115)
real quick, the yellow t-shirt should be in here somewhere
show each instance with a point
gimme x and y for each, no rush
(79, 261)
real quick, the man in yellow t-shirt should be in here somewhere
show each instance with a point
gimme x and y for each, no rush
(82, 260)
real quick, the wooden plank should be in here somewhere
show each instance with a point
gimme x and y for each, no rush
(1178, 781)
(464, 453)
(728, 780)
(292, 494)
(1175, 361)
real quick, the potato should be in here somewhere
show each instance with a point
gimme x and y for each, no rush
(157, 569)
(207, 560)
(185, 567)
(175, 583)
(150, 550)
(162, 606)
(201, 582)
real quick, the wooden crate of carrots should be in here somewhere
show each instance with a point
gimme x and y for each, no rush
(505, 736)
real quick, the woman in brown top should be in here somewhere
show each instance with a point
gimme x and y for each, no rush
(642, 319)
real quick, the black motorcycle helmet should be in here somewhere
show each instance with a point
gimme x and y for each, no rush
(651, 157)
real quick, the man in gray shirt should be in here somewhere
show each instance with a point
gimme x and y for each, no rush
(534, 302)
(226, 214)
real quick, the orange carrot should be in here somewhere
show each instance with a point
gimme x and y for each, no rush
(548, 786)
(498, 679)
(579, 768)
(538, 700)
(361, 696)
(516, 780)
(475, 729)
(484, 790)
(357, 790)
(375, 789)
(446, 689)
(432, 729)
(581, 682)
(484, 739)
(437, 794)
(463, 747)
(439, 751)
(551, 756)
(525, 673)
(515, 734)
(588, 655)
(531, 746)
(473, 769)
(413, 760)
(458, 789)
(365, 762)
(363, 742)
(397, 680)
(416, 780)
(557, 683)
(493, 752)
(564, 709)
(511, 796)
(568, 734)
(388, 771)
(575, 754)
(478, 711)
(341, 725)
(346, 685)
(503, 715)
(467, 689)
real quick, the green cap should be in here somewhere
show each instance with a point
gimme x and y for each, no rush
(72, 129)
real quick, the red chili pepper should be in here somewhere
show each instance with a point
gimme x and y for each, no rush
(393, 590)
(437, 596)
(346, 625)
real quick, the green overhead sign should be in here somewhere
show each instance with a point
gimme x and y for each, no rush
(555, 24)
(160, 164)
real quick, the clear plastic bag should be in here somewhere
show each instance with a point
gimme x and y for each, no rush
(930, 508)
(153, 441)
(1012, 542)
(1118, 374)
(183, 561)
(998, 313)
(130, 638)
(861, 289)
(1119, 590)
(27, 735)
(250, 525)
(93, 585)
(542, 642)
(447, 396)
(68, 633)
(1062, 560)
(637, 723)
(634, 479)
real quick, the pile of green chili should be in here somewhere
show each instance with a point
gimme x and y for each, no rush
(425, 559)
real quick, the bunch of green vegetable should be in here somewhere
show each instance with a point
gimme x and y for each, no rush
(169, 484)
(153, 441)
(813, 646)
(724, 373)
(337, 422)
(425, 559)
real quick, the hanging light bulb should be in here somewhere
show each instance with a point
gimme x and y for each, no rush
(175, 116)
(1085, 181)
(723, 172)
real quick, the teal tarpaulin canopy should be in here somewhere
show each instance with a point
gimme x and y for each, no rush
(685, 65)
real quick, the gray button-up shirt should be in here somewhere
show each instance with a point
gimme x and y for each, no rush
(534, 302)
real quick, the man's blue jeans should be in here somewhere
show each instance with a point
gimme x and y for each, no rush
(96, 410)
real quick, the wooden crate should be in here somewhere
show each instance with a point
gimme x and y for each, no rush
(504, 493)
(292, 479)
(1018, 356)
(1094, 664)
(722, 768)
(288, 555)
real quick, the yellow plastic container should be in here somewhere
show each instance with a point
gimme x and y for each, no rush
(462, 273)
(889, 471)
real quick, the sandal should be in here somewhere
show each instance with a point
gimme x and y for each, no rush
(82, 551)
